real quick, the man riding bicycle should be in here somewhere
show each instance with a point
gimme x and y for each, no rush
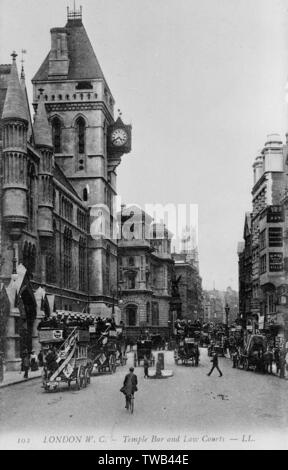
(130, 386)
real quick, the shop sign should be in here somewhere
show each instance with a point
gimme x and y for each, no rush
(275, 214)
(275, 262)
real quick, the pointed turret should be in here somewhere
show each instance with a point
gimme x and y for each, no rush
(26, 101)
(42, 129)
(14, 106)
(43, 141)
(15, 127)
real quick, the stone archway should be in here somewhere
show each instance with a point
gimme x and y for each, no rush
(131, 314)
(4, 315)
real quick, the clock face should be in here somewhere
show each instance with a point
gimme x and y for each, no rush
(119, 137)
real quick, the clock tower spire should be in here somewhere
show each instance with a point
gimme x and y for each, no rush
(88, 143)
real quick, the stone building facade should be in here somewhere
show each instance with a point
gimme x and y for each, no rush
(190, 286)
(264, 297)
(58, 182)
(145, 269)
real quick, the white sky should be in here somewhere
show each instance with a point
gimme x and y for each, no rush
(202, 83)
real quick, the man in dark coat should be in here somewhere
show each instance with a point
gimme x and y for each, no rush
(26, 363)
(146, 367)
(215, 365)
(130, 385)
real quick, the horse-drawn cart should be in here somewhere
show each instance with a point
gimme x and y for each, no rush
(107, 349)
(186, 352)
(66, 360)
(144, 349)
(253, 354)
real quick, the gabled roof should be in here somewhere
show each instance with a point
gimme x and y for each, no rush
(60, 176)
(248, 224)
(83, 63)
(4, 78)
(30, 136)
(42, 129)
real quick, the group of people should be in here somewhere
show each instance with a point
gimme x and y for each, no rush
(31, 362)
(64, 320)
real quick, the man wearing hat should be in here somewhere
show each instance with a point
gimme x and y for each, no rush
(130, 385)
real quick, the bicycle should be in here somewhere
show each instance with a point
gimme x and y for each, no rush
(130, 403)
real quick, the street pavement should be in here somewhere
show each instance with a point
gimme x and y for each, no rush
(185, 410)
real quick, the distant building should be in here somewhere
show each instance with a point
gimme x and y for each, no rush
(263, 276)
(190, 286)
(215, 302)
(58, 177)
(145, 270)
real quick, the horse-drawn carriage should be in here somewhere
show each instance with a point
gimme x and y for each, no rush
(254, 354)
(216, 347)
(107, 349)
(187, 351)
(144, 349)
(157, 342)
(65, 359)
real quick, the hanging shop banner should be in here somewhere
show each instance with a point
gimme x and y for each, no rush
(275, 214)
(275, 262)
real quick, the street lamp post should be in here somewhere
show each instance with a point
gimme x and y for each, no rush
(116, 293)
(227, 311)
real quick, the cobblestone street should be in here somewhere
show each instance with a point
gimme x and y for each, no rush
(189, 409)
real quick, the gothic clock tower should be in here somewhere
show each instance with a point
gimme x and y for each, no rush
(88, 142)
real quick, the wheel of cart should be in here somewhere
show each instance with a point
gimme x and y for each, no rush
(80, 377)
(87, 376)
(246, 364)
(123, 361)
(112, 364)
(176, 358)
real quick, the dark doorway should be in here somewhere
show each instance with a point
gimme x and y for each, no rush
(27, 307)
(4, 314)
(131, 315)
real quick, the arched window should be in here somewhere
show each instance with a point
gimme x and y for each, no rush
(67, 257)
(148, 309)
(85, 194)
(108, 269)
(80, 127)
(25, 255)
(56, 134)
(155, 314)
(82, 264)
(132, 280)
(29, 258)
(51, 258)
(31, 195)
(131, 261)
(131, 315)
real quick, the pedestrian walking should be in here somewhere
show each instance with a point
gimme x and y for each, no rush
(34, 362)
(277, 360)
(282, 364)
(146, 367)
(26, 364)
(41, 359)
(215, 362)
